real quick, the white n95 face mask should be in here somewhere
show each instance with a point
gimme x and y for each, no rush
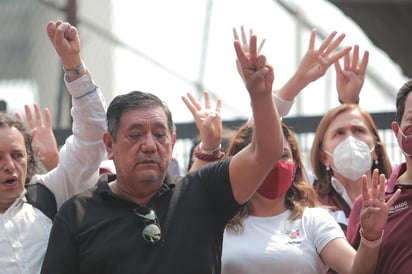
(352, 158)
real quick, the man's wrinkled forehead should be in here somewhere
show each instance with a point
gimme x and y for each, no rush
(11, 136)
(141, 118)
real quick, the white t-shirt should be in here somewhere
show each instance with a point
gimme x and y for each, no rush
(276, 245)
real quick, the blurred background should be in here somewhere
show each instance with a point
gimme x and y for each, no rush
(171, 48)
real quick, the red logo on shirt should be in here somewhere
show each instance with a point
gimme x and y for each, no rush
(293, 234)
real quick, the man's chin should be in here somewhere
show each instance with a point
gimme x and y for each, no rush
(148, 171)
(149, 177)
(12, 192)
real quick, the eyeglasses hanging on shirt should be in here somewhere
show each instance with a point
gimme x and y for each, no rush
(151, 232)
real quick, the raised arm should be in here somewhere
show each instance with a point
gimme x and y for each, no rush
(66, 41)
(209, 124)
(245, 46)
(313, 64)
(82, 152)
(250, 166)
(340, 255)
(373, 217)
(44, 141)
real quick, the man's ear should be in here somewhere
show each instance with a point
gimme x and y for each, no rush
(395, 128)
(173, 140)
(108, 142)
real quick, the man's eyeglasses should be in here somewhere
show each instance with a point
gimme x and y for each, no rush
(151, 232)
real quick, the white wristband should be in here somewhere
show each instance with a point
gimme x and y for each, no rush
(74, 72)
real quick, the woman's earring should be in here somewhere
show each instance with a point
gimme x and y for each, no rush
(376, 162)
(327, 168)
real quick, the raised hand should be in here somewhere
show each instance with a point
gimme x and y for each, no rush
(66, 41)
(350, 79)
(315, 62)
(257, 74)
(43, 139)
(245, 45)
(208, 121)
(374, 212)
(245, 42)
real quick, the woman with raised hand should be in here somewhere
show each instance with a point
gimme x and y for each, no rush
(283, 222)
(346, 146)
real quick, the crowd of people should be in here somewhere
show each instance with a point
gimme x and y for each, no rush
(111, 199)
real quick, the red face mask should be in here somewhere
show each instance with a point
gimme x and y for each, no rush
(278, 181)
(406, 144)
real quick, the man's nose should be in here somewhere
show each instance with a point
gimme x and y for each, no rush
(149, 144)
(7, 164)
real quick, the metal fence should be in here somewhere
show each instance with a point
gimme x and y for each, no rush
(304, 128)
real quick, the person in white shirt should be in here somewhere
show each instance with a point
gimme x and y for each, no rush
(24, 229)
(284, 229)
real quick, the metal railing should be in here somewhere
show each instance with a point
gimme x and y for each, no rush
(304, 127)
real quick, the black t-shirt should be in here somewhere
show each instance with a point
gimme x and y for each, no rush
(99, 232)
